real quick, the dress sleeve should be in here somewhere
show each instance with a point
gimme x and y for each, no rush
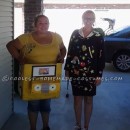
(59, 39)
(70, 52)
(23, 39)
(100, 56)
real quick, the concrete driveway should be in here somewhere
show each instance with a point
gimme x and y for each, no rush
(111, 106)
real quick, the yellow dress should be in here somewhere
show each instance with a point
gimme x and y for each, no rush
(35, 53)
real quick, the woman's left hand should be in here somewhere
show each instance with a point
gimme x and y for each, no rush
(60, 58)
(98, 81)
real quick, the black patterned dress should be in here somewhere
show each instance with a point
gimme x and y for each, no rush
(85, 62)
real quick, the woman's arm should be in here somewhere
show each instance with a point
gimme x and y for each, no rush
(100, 61)
(61, 55)
(14, 48)
(101, 57)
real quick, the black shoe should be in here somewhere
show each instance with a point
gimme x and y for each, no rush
(47, 128)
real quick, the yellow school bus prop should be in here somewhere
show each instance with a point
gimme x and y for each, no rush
(40, 81)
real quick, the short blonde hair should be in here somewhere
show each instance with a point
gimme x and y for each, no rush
(88, 11)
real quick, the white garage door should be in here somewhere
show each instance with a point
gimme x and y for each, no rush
(6, 34)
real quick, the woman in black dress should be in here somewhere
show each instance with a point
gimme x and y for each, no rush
(84, 65)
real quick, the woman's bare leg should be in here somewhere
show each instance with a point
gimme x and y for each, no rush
(78, 109)
(32, 119)
(45, 119)
(88, 107)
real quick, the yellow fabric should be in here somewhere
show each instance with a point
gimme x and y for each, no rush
(28, 91)
(35, 53)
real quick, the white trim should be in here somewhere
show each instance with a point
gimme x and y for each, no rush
(86, 1)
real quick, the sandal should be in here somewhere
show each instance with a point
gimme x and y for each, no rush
(77, 127)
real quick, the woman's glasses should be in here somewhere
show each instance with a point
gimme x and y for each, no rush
(89, 19)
